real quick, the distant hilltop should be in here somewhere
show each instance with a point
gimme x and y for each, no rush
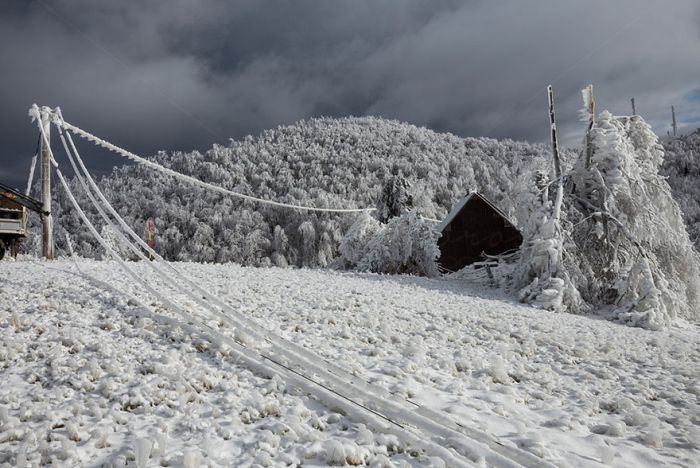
(315, 162)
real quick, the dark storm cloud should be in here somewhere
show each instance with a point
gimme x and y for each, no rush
(179, 74)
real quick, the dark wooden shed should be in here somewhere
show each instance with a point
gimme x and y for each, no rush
(475, 227)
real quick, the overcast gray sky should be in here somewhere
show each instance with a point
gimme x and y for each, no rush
(184, 74)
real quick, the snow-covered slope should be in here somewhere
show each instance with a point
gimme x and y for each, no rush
(90, 378)
(318, 162)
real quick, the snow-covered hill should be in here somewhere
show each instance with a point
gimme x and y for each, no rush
(318, 162)
(91, 378)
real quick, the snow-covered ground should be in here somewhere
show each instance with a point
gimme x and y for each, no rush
(90, 377)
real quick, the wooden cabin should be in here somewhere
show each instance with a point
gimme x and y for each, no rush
(475, 227)
(13, 218)
(13, 223)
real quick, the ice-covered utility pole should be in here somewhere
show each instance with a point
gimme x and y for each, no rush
(553, 129)
(673, 116)
(634, 110)
(589, 104)
(555, 153)
(46, 219)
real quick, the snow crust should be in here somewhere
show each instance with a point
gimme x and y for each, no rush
(90, 378)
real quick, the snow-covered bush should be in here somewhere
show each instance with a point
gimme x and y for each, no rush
(308, 242)
(111, 237)
(280, 245)
(406, 244)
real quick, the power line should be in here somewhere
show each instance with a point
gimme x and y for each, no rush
(129, 155)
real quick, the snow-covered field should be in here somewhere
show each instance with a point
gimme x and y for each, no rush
(90, 377)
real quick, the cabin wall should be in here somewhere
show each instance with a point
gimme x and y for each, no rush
(476, 229)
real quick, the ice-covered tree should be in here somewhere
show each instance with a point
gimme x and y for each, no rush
(395, 198)
(308, 244)
(354, 246)
(681, 166)
(542, 274)
(280, 244)
(636, 244)
(620, 244)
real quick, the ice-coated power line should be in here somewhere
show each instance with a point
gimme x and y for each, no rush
(129, 155)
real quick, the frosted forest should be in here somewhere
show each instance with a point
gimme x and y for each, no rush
(621, 242)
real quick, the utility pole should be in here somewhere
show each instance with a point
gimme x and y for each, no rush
(46, 220)
(555, 152)
(553, 264)
(589, 103)
(673, 116)
(634, 110)
(553, 129)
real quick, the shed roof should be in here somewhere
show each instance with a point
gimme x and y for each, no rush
(475, 227)
(460, 206)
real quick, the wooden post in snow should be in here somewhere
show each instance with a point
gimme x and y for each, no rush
(634, 110)
(589, 104)
(46, 220)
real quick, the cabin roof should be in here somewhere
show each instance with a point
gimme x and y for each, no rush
(463, 202)
(475, 227)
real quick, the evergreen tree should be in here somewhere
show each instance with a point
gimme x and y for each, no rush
(395, 198)
(682, 168)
